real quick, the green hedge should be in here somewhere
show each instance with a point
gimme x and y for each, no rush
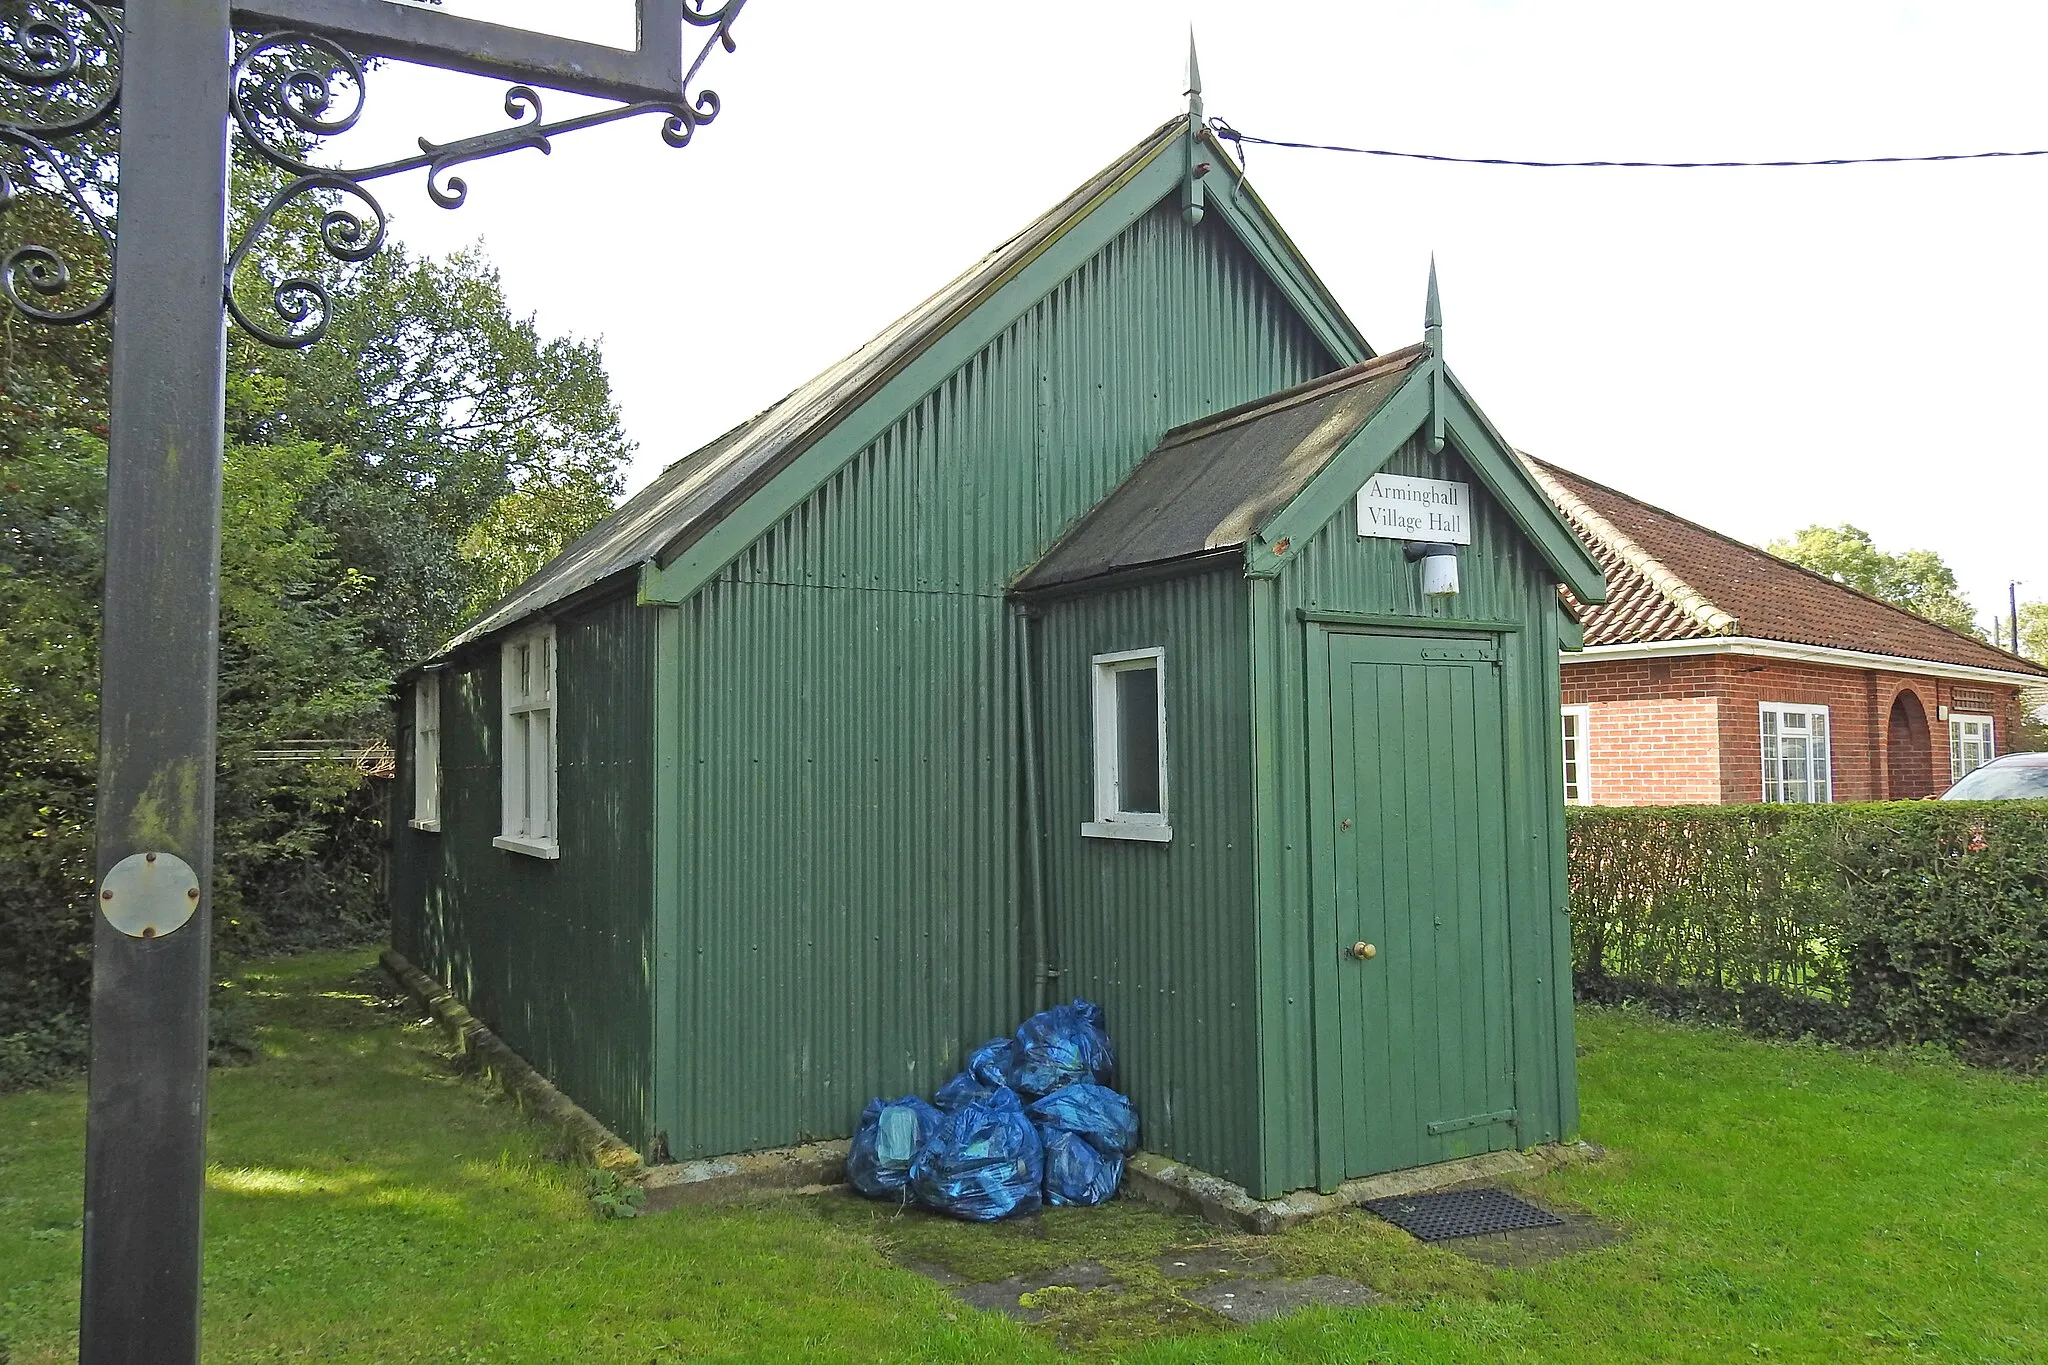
(1906, 922)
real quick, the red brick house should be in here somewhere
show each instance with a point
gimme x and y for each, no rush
(1718, 673)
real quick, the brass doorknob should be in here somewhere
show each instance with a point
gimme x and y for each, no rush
(1364, 951)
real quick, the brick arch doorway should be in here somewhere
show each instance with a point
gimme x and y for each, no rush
(1909, 750)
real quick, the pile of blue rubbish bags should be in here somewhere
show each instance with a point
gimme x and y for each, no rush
(1030, 1121)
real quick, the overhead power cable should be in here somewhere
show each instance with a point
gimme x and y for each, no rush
(1224, 131)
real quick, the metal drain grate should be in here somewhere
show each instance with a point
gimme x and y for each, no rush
(1461, 1213)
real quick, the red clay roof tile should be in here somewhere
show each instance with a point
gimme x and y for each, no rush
(1673, 579)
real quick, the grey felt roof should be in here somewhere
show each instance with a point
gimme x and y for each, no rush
(696, 492)
(1210, 485)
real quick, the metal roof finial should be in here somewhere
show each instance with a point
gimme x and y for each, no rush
(1433, 314)
(1191, 195)
(1433, 338)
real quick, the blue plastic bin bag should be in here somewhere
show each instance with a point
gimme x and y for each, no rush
(888, 1138)
(983, 1162)
(1093, 1112)
(1075, 1172)
(994, 1063)
(964, 1089)
(1060, 1046)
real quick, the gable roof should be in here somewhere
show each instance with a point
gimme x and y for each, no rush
(1256, 477)
(692, 497)
(1211, 484)
(1671, 579)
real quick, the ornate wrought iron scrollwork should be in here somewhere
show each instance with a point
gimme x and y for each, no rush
(290, 92)
(60, 62)
(301, 301)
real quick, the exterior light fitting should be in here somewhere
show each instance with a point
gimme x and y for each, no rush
(1439, 566)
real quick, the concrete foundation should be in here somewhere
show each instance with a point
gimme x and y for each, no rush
(1186, 1189)
(814, 1166)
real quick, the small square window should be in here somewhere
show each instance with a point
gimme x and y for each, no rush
(426, 752)
(527, 780)
(1130, 747)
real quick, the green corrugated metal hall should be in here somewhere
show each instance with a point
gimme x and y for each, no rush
(1083, 634)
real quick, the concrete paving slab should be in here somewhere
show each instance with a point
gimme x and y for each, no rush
(1006, 1296)
(1197, 1263)
(1245, 1299)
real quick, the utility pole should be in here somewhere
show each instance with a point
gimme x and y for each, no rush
(181, 78)
(2012, 600)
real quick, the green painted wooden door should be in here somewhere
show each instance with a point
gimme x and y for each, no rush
(1418, 870)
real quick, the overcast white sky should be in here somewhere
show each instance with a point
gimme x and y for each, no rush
(1758, 350)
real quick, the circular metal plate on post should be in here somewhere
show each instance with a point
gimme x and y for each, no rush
(148, 895)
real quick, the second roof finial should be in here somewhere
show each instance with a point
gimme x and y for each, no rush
(1191, 196)
(1433, 314)
(1433, 338)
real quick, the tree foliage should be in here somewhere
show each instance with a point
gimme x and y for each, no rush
(455, 423)
(378, 490)
(2034, 631)
(1917, 580)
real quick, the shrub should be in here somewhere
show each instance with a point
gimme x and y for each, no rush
(1896, 923)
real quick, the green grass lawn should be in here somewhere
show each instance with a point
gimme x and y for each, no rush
(366, 1202)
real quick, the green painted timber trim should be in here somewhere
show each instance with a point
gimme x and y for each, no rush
(1490, 457)
(663, 1090)
(1566, 1020)
(1497, 465)
(1528, 1018)
(1330, 1089)
(1270, 245)
(647, 590)
(1275, 944)
(1571, 635)
(1339, 480)
(1319, 617)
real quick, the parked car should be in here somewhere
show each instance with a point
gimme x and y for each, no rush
(2012, 777)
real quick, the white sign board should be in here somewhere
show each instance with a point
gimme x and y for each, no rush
(1396, 507)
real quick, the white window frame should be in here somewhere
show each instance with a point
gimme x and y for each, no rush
(1577, 754)
(426, 753)
(1958, 721)
(1111, 820)
(530, 698)
(1817, 790)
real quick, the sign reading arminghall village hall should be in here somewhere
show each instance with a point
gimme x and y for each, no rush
(1396, 507)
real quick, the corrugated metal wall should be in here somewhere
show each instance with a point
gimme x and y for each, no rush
(847, 905)
(551, 953)
(1163, 935)
(1503, 578)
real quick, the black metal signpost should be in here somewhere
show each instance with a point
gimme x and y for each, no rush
(179, 78)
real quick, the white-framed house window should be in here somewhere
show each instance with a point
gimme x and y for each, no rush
(1130, 747)
(1970, 744)
(1578, 783)
(527, 778)
(426, 752)
(1795, 749)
